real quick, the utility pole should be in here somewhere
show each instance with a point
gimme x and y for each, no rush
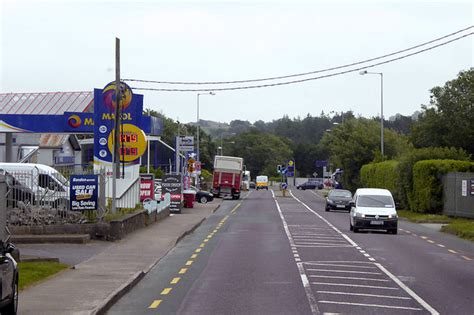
(116, 154)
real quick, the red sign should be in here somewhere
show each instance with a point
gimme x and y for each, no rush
(147, 189)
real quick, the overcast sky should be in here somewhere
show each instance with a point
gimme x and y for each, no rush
(49, 46)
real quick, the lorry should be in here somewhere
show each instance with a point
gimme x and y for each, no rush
(246, 180)
(227, 176)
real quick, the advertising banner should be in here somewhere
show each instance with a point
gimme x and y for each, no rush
(147, 189)
(171, 184)
(83, 191)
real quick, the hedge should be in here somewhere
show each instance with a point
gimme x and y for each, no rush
(382, 175)
(427, 194)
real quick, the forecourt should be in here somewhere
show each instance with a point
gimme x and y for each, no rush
(285, 255)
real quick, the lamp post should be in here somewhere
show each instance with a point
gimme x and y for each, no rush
(381, 107)
(198, 132)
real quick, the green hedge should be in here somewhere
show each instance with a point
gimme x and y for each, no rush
(382, 175)
(427, 194)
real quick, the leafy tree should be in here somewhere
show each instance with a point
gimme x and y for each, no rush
(357, 142)
(262, 152)
(449, 118)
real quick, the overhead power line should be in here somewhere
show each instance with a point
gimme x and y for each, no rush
(304, 73)
(306, 79)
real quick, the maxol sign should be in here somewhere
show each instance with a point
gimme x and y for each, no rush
(132, 138)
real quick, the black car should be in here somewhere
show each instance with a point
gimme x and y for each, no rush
(310, 185)
(203, 196)
(9, 279)
(339, 199)
(252, 185)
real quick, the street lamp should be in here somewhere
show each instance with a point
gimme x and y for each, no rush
(381, 106)
(198, 132)
(221, 148)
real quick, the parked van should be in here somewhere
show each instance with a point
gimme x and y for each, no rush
(373, 208)
(262, 182)
(47, 185)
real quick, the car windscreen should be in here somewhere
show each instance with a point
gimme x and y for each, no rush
(375, 201)
(342, 193)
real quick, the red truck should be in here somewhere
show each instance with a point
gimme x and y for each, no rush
(227, 176)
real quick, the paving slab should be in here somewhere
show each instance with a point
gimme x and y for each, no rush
(90, 286)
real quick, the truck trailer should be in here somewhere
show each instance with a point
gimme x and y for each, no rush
(227, 176)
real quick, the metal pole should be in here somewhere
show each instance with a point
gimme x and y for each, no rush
(197, 145)
(381, 115)
(116, 156)
(3, 208)
(8, 147)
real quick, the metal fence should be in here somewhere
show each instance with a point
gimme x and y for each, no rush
(459, 194)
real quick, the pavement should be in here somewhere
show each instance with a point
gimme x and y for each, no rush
(103, 272)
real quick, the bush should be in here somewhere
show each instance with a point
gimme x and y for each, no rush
(382, 175)
(408, 160)
(427, 195)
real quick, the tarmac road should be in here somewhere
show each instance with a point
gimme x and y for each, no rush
(269, 254)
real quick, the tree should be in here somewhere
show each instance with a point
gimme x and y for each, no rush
(262, 152)
(357, 142)
(449, 118)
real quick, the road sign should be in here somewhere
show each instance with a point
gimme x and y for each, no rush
(284, 186)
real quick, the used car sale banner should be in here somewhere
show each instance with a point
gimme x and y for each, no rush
(83, 192)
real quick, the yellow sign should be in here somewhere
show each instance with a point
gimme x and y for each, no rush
(132, 142)
(290, 163)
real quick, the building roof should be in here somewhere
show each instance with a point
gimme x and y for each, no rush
(50, 103)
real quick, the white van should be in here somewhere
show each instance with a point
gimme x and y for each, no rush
(373, 208)
(48, 186)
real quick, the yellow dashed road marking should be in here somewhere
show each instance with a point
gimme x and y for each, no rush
(194, 256)
(175, 280)
(155, 304)
(198, 250)
(210, 235)
(452, 251)
(441, 245)
(467, 258)
(189, 263)
(202, 245)
(424, 237)
(166, 291)
(182, 271)
(206, 240)
(215, 231)
(430, 241)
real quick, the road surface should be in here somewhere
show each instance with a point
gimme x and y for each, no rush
(269, 254)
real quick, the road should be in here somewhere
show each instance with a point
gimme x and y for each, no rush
(268, 254)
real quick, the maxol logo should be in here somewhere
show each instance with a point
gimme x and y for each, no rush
(108, 116)
(74, 121)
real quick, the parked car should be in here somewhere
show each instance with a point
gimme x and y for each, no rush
(339, 199)
(9, 279)
(252, 184)
(310, 185)
(203, 196)
(373, 208)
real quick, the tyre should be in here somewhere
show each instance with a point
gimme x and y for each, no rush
(393, 231)
(327, 208)
(12, 307)
(355, 229)
(203, 199)
(351, 228)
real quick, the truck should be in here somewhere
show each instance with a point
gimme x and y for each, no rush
(227, 176)
(246, 180)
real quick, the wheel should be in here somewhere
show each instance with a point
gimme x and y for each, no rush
(327, 208)
(203, 199)
(355, 229)
(12, 307)
(351, 227)
(393, 231)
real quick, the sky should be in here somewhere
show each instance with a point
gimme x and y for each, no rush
(50, 46)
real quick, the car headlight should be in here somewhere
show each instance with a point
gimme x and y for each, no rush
(330, 201)
(393, 216)
(359, 215)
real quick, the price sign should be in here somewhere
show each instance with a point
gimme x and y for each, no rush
(132, 142)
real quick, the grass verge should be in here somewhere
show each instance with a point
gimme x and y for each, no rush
(423, 217)
(33, 272)
(463, 228)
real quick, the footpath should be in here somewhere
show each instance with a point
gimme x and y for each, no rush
(93, 285)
